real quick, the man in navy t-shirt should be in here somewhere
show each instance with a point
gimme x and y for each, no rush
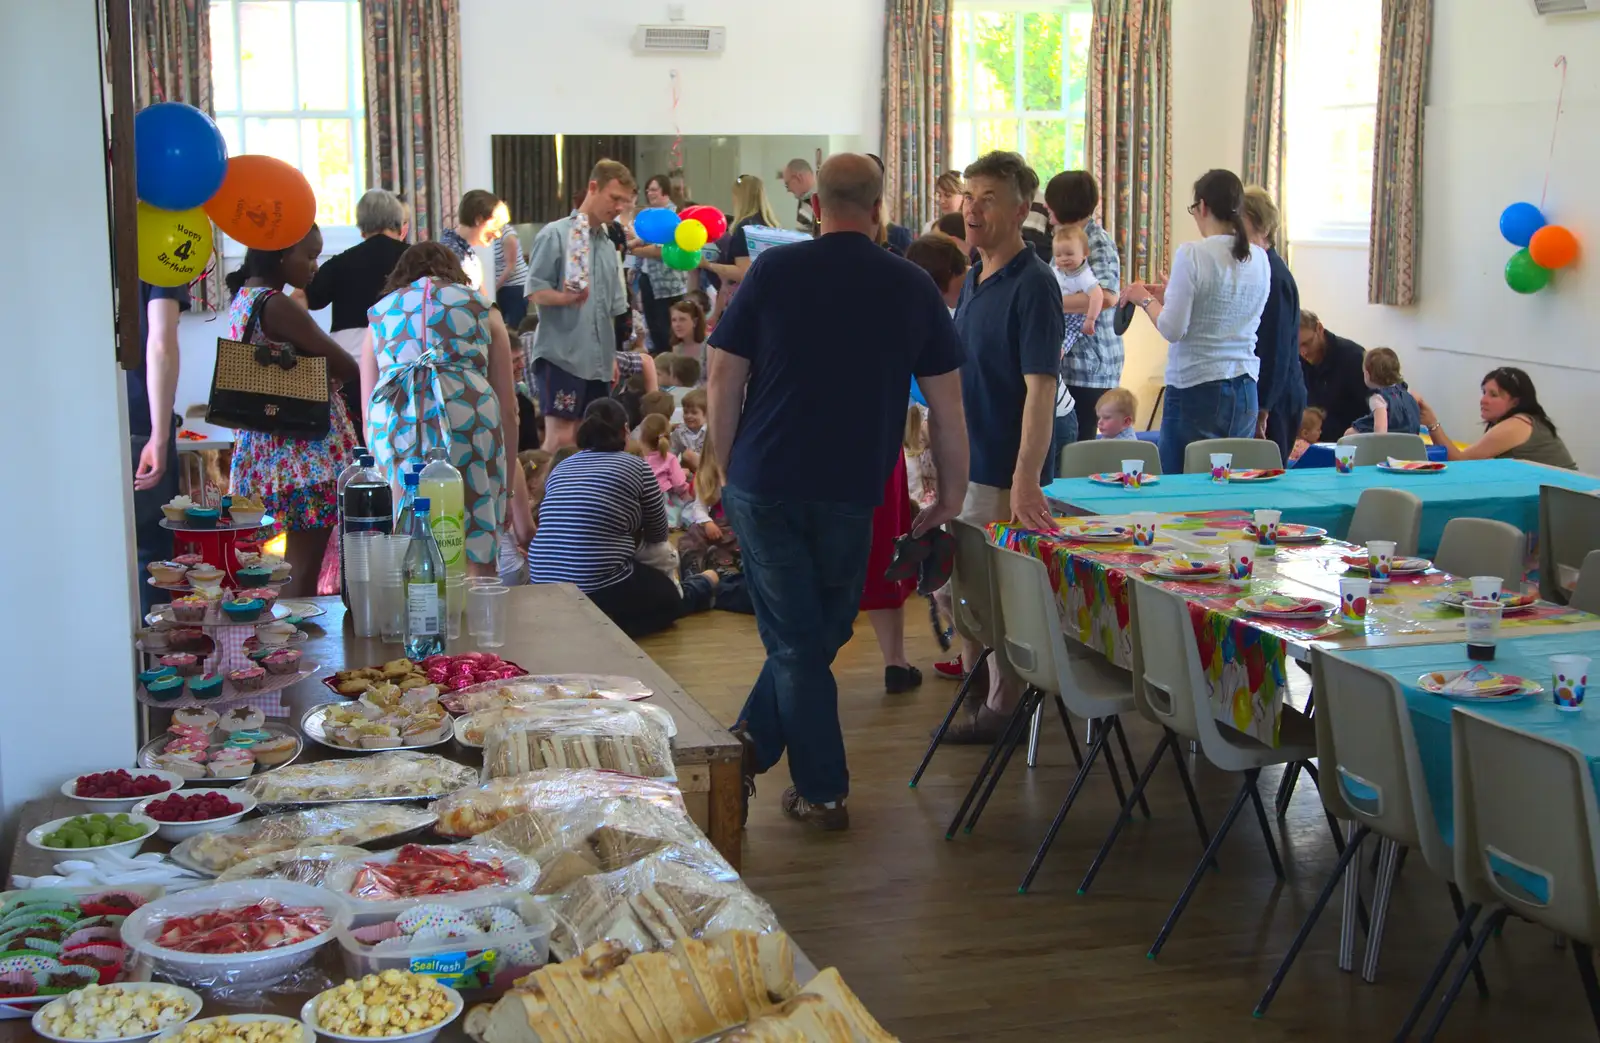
(810, 372)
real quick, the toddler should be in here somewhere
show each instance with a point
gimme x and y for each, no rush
(658, 454)
(1073, 274)
(1310, 431)
(659, 402)
(689, 437)
(922, 479)
(709, 541)
(1114, 414)
(689, 332)
(1393, 407)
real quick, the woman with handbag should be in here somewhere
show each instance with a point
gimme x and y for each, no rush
(285, 457)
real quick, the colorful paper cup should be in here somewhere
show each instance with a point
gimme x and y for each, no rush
(1144, 528)
(1267, 532)
(1486, 588)
(1353, 593)
(1241, 560)
(1572, 677)
(1344, 459)
(1132, 473)
(1221, 466)
(1380, 559)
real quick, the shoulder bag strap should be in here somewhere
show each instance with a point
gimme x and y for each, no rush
(253, 323)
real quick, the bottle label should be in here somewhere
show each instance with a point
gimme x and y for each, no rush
(447, 532)
(422, 608)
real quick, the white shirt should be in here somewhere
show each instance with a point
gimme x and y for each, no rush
(1080, 281)
(1211, 311)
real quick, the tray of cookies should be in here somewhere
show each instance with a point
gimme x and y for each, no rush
(448, 673)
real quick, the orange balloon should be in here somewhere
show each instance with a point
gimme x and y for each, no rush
(1553, 247)
(263, 203)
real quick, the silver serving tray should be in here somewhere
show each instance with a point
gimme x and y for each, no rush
(149, 750)
(414, 833)
(312, 724)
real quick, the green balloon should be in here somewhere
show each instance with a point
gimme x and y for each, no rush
(1523, 275)
(679, 259)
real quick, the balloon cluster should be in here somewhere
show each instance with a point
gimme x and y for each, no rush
(1545, 247)
(186, 181)
(680, 236)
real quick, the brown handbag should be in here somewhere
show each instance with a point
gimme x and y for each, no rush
(269, 388)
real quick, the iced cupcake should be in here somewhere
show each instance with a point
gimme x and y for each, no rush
(152, 639)
(190, 609)
(205, 686)
(247, 679)
(184, 664)
(274, 751)
(280, 569)
(201, 517)
(195, 717)
(165, 688)
(188, 639)
(181, 764)
(231, 763)
(243, 610)
(253, 576)
(283, 661)
(175, 509)
(189, 561)
(274, 635)
(203, 575)
(167, 573)
(242, 719)
(148, 676)
(247, 511)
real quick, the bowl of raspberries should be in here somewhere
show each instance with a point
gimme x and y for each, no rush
(119, 789)
(194, 811)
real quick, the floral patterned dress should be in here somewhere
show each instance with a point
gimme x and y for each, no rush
(431, 340)
(295, 478)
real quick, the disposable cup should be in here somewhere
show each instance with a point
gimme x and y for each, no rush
(1267, 532)
(1571, 673)
(1344, 459)
(1380, 559)
(455, 603)
(1145, 524)
(1221, 466)
(1241, 561)
(486, 615)
(1132, 473)
(1353, 594)
(1486, 588)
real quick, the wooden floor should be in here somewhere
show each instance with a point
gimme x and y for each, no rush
(939, 944)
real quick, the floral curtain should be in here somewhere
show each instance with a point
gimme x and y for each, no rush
(1128, 130)
(1264, 101)
(412, 56)
(1397, 153)
(172, 62)
(916, 107)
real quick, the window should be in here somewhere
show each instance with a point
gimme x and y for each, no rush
(286, 82)
(1332, 105)
(1018, 73)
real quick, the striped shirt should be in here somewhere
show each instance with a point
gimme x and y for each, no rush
(596, 508)
(519, 267)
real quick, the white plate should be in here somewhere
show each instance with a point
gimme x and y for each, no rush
(1098, 534)
(306, 1035)
(1153, 568)
(1408, 470)
(132, 986)
(37, 834)
(1115, 478)
(1398, 566)
(108, 804)
(308, 1014)
(303, 609)
(1236, 477)
(1428, 683)
(1250, 606)
(1307, 534)
(314, 720)
(176, 831)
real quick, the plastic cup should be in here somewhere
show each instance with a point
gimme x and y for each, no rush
(1486, 588)
(1344, 459)
(1145, 524)
(1267, 532)
(1380, 560)
(388, 578)
(1241, 561)
(1572, 677)
(1483, 628)
(1353, 594)
(486, 615)
(1132, 473)
(455, 603)
(358, 549)
(1221, 466)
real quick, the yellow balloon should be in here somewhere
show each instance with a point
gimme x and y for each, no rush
(691, 235)
(174, 245)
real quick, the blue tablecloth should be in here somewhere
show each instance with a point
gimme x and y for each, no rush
(1430, 714)
(1320, 454)
(1507, 490)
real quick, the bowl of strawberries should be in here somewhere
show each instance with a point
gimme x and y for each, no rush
(119, 789)
(182, 815)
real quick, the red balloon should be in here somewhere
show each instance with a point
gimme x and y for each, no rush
(709, 216)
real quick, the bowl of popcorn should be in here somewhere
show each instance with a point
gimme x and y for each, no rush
(392, 1004)
(240, 1028)
(120, 1013)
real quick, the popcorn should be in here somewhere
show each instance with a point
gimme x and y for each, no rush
(388, 1004)
(114, 1011)
(225, 1030)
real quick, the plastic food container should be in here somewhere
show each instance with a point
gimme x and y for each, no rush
(523, 873)
(176, 831)
(205, 970)
(308, 1014)
(488, 961)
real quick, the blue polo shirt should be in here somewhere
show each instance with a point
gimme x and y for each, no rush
(834, 329)
(1010, 325)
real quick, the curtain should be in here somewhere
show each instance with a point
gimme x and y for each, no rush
(527, 176)
(579, 154)
(916, 107)
(412, 55)
(1264, 102)
(1397, 153)
(1128, 130)
(172, 62)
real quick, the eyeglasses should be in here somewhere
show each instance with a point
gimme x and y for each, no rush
(1193, 208)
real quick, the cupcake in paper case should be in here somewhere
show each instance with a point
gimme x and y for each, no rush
(187, 639)
(189, 561)
(205, 686)
(256, 655)
(201, 517)
(154, 640)
(279, 568)
(247, 679)
(275, 634)
(244, 610)
(146, 676)
(165, 688)
(231, 763)
(178, 764)
(266, 594)
(253, 576)
(191, 608)
(282, 661)
(242, 718)
(184, 664)
(169, 573)
(247, 511)
(274, 751)
(196, 717)
(175, 509)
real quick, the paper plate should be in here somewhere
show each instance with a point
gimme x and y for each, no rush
(1413, 467)
(1495, 688)
(1283, 606)
(1256, 474)
(1098, 534)
(1398, 566)
(1166, 569)
(1289, 532)
(1509, 605)
(1115, 478)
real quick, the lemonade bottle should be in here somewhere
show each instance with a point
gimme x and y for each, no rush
(441, 484)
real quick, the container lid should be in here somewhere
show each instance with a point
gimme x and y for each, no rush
(421, 505)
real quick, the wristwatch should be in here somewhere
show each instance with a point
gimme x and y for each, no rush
(1147, 302)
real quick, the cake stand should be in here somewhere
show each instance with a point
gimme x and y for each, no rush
(228, 652)
(216, 545)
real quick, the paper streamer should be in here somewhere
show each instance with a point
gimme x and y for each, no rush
(1560, 63)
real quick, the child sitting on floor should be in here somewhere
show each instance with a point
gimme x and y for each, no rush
(1310, 431)
(657, 449)
(1393, 407)
(689, 437)
(660, 402)
(1114, 414)
(689, 333)
(708, 542)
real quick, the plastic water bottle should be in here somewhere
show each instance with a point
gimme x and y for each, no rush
(440, 483)
(402, 520)
(425, 596)
(365, 505)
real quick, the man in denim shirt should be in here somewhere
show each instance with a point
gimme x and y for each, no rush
(1094, 364)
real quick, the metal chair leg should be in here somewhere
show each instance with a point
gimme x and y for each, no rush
(1095, 749)
(1291, 773)
(1188, 791)
(1066, 723)
(1017, 716)
(1034, 723)
(1266, 826)
(1102, 728)
(1310, 921)
(1461, 936)
(1199, 870)
(1005, 758)
(1127, 811)
(1388, 863)
(1477, 968)
(955, 707)
(1496, 919)
(1591, 986)
(1127, 758)
(1352, 899)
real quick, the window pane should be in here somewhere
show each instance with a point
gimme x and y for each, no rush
(994, 54)
(962, 148)
(358, 88)
(266, 56)
(960, 81)
(323, 55)
(325, 144)
(229, 125)
(224, 73)
(1041, 61)
(1046, 147)
(279, 138)
(1338, 59)
(995, 134)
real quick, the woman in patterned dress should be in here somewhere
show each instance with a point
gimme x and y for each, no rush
(436, 371)
(294, 477)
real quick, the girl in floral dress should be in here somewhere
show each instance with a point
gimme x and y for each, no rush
(294, 477)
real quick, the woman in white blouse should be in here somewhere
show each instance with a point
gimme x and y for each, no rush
(1208, 312)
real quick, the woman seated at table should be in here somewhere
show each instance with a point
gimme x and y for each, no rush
(1516, 427)
(599, 504)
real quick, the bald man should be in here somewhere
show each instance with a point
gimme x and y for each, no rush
(801, 182)
(811, 371)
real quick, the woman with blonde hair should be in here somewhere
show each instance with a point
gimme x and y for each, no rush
(947, 193)
(750, 207)
(1280, 387)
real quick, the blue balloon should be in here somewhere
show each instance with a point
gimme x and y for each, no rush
(656, 225)
(179, 156)
(916, 393)
(1519, 221)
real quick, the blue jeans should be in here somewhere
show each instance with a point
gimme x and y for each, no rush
(1066, 433)
(804, 565)
(1215, 409)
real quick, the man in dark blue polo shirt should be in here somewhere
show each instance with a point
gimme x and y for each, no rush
(810, 372)
(1009, 319)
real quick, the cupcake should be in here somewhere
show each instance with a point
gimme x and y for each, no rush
(183, 664)
(274, 751)
(231, 763)
(247, 511)
(267, 594)
(248, 737)
(248, 679)
(258, 654)
(167, 573)
(201, 517)
(274, 634)
(176, 508)
(243, 610)
(242, 719)
(190, 608)
(189, 561)
(180, 764)
(205, 686)
(280, 569)
(152, 639)
(188, 639)
(253, 576)
(205, 576)
(195, 717)
(282, 661)
(164, 689)
(146, 676)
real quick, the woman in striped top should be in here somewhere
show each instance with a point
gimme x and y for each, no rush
(599, 504)
(510, 271)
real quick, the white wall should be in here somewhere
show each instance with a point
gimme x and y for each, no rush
(67, 534)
